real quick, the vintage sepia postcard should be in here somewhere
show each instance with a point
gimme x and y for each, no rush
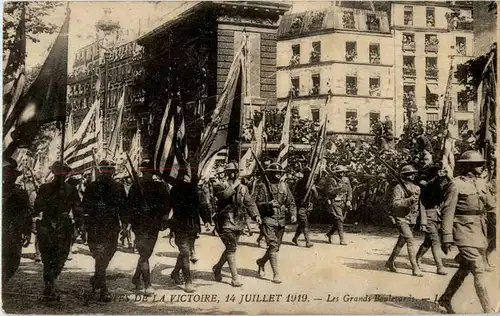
(249, 157)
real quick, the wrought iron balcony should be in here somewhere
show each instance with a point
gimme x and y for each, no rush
(431, 73)
(408, 46)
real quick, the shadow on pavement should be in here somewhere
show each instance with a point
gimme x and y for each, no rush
(410, 302)
(170, 254)
(376, 265)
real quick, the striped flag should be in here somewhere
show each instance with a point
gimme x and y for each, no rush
(114, 142)
(285, 136)
(247, 162)
(14, 74)
(216, 134)
(317, 156)
(171, 149)
(450, 131)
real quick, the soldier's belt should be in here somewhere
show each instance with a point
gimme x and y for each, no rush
(470, 213)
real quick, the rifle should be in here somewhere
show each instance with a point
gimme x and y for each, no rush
(393, 172)
(263, 174)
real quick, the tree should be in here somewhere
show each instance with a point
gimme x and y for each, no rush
(36, 11)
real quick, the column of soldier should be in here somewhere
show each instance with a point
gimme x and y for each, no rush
(458, 211)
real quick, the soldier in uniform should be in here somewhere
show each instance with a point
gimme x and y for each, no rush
(338, 197)
(273, 207)
(406, 212)
(16, 220)
(464, 222)
(105, 206)
(185, 225)
(150, 204)
(304, 207)
(234, 204)
(55, 201)
(431, 196)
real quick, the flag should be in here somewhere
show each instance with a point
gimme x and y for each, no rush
(117, 130)
(171, 151)
(69, 130)
(285, 136)
(247, 162)
(215, 136)
(14, 70)
(449, 125)
(317, 156)
(135, 150)
(45, 100)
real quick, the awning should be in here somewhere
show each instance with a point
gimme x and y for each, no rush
(433, 89)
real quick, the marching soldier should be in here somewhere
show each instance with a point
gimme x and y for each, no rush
(150, 204)
(304, 207)
(185, 225)
(16, 220)
(338, 195)
(431, 196)
(234, 203)
(464, 222)
(55, 201)
(273, 207)
(105, 206)
(405, 212)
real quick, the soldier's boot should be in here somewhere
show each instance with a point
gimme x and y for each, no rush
(273, 258)
(413, 259)
(261, 263)
(340, 229)
(49, 293)
(420, 253)
(259, 239)
(436, 253)
(175, 275)
(193, 256)
(235, 278)
(186, 272)
(217, 268)
(309, 244)
(331, 232)
(456, 281)
(146, 276)
(389, 265)
(105, 296)
(295, 238)
(38, 255)
(482, 293)
(70, 255)
(136, 279)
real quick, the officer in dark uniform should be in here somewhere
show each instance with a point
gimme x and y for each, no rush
(431, 184)
(464, 223)
(185, 225)
(304, 207)
(150, 204)
(105, 206)
(273, 212)
(234, 204)
(16, 220)
(406, 212)
(55, 201)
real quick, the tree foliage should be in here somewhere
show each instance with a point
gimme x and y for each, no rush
(36, 13)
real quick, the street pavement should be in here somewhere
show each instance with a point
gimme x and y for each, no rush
(325, 279)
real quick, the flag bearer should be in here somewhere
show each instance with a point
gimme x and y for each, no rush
(304, 207)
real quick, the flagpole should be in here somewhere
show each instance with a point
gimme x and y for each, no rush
(243, 95)
(63, 121)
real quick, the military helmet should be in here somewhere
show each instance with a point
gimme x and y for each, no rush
(58, 167)
(471, 156)
(231, 167)
(274, 167)
(408, 169)
(220, 170)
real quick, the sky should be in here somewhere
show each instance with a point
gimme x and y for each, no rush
(84, 15)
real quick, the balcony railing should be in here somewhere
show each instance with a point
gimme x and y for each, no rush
(315, 56)
(295, 60)
(409, 72)
(408, 46)
(375, 59)
(374, 91)
(351, 90)
(348, 21)
(432, 47)
(351, 56)
(432, 104)
(431, 73)
(461, 50)
(462, 106)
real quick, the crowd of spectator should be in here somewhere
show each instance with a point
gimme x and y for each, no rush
(372, 22)
(351, 88)
(409, 100)
(461, 49)
(348, 20)
(431, 70)
(351, 55)
(432, 43)
(408, 42)
(430, 20)
(374, 57)
(375, 90)
(409, 69)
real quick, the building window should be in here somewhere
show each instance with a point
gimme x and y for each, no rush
(295, 86)
(408, 15)
(315, 115)
(462, 101)
(351, 85)
(430, 17)
(431, 68)
(432, 118)
(409, 70)
(348, 20)
(351, 121)
(431, 96)
(315, 52)
(374, 120)
(375, 54)
(296, 24)
(351, 53)
(409, 101)
(431, 43)
(375, 86)
(408, 41)
(315, 84)
(461, 45)
(295, 60)
(463, 127)
(372, 22)
(317, 20)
